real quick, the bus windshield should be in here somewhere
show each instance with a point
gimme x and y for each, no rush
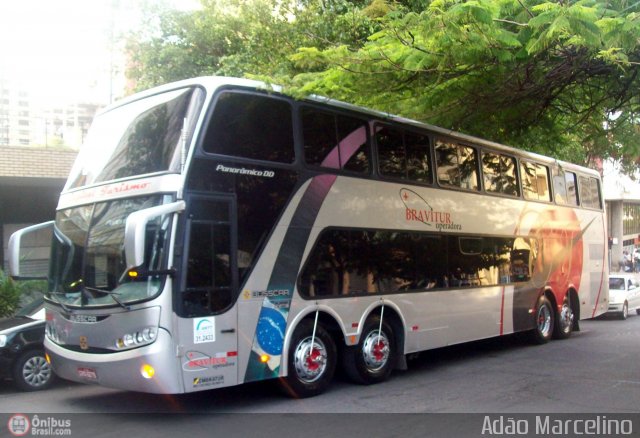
(138, 138)
(87, 257)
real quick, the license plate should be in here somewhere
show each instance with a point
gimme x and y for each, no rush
(87, 373)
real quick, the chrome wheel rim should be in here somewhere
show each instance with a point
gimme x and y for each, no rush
(375, 350)
(36, 371)
(310, 363)
(566, 318)
(544, 320)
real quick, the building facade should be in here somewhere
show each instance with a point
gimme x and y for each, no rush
(622, 199)
(31, 180)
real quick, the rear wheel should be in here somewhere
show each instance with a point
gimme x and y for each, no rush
(564, 326)
(311, 362)
(372, 360)
(32, 372)
(625, 311)
(544, 321)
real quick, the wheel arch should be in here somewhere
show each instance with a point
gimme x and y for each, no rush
(327, 317)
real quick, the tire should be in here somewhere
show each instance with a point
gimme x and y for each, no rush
(310, 375)
(625, 311)
(637, 311)
(373, 359)
(564, 320)
(32, 372)
(544, 321)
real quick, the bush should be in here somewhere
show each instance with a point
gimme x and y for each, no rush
(9, 295)
(14, 295)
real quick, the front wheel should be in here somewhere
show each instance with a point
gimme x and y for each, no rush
(564, 326)
(544, 321)
(311, 361)
(372, 360)
(32, 372)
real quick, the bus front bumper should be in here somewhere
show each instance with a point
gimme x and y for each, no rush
(123, 370)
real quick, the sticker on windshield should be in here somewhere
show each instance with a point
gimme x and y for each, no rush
(204, 330)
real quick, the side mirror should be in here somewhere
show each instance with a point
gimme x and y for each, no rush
(37, 251)
(135, 227)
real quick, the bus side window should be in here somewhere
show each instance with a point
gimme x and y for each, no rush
(457, 165)
(535, 181)
(335, 141)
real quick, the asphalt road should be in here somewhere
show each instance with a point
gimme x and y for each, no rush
(595, 372)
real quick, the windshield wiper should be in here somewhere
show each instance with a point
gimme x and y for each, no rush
(112, 294)
(66, 309)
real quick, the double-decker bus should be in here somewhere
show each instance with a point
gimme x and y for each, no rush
(215, 231)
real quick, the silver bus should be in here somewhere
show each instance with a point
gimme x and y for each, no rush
(215, 231)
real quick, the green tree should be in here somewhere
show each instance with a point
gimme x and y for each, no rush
(559, 78)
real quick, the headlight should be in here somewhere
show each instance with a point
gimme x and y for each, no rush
(3, 340)
(137, 339)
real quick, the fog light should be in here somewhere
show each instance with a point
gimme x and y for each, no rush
(147, 371)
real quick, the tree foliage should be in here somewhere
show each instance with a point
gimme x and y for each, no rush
(9, 295)
(559, 78)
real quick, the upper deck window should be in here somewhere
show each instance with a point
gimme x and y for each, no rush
(137, 138)
(251, 126)
(564, 187)
(499, 173)
(335, 140)
(590, 193)
(403, 155)
(457, 165)
(535, 181)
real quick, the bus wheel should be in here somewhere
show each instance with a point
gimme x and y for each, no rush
(544, 321)
(312, 361)
(372, 360)
(564, 326)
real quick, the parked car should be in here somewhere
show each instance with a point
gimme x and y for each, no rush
(22, 356)
(624, 294)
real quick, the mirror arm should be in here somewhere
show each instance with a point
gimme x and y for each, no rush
(134, 233)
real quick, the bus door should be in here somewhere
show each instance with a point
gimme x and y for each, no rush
(208, 322)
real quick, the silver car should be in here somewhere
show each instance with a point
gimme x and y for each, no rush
(624, 294)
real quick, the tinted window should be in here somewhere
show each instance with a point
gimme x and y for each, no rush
(499, 174)
(335, 141)
(457, 165)
(347, 262)
(403, 155)
(251, 126)
(138, 138)
(535, 181)
(209, 269)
